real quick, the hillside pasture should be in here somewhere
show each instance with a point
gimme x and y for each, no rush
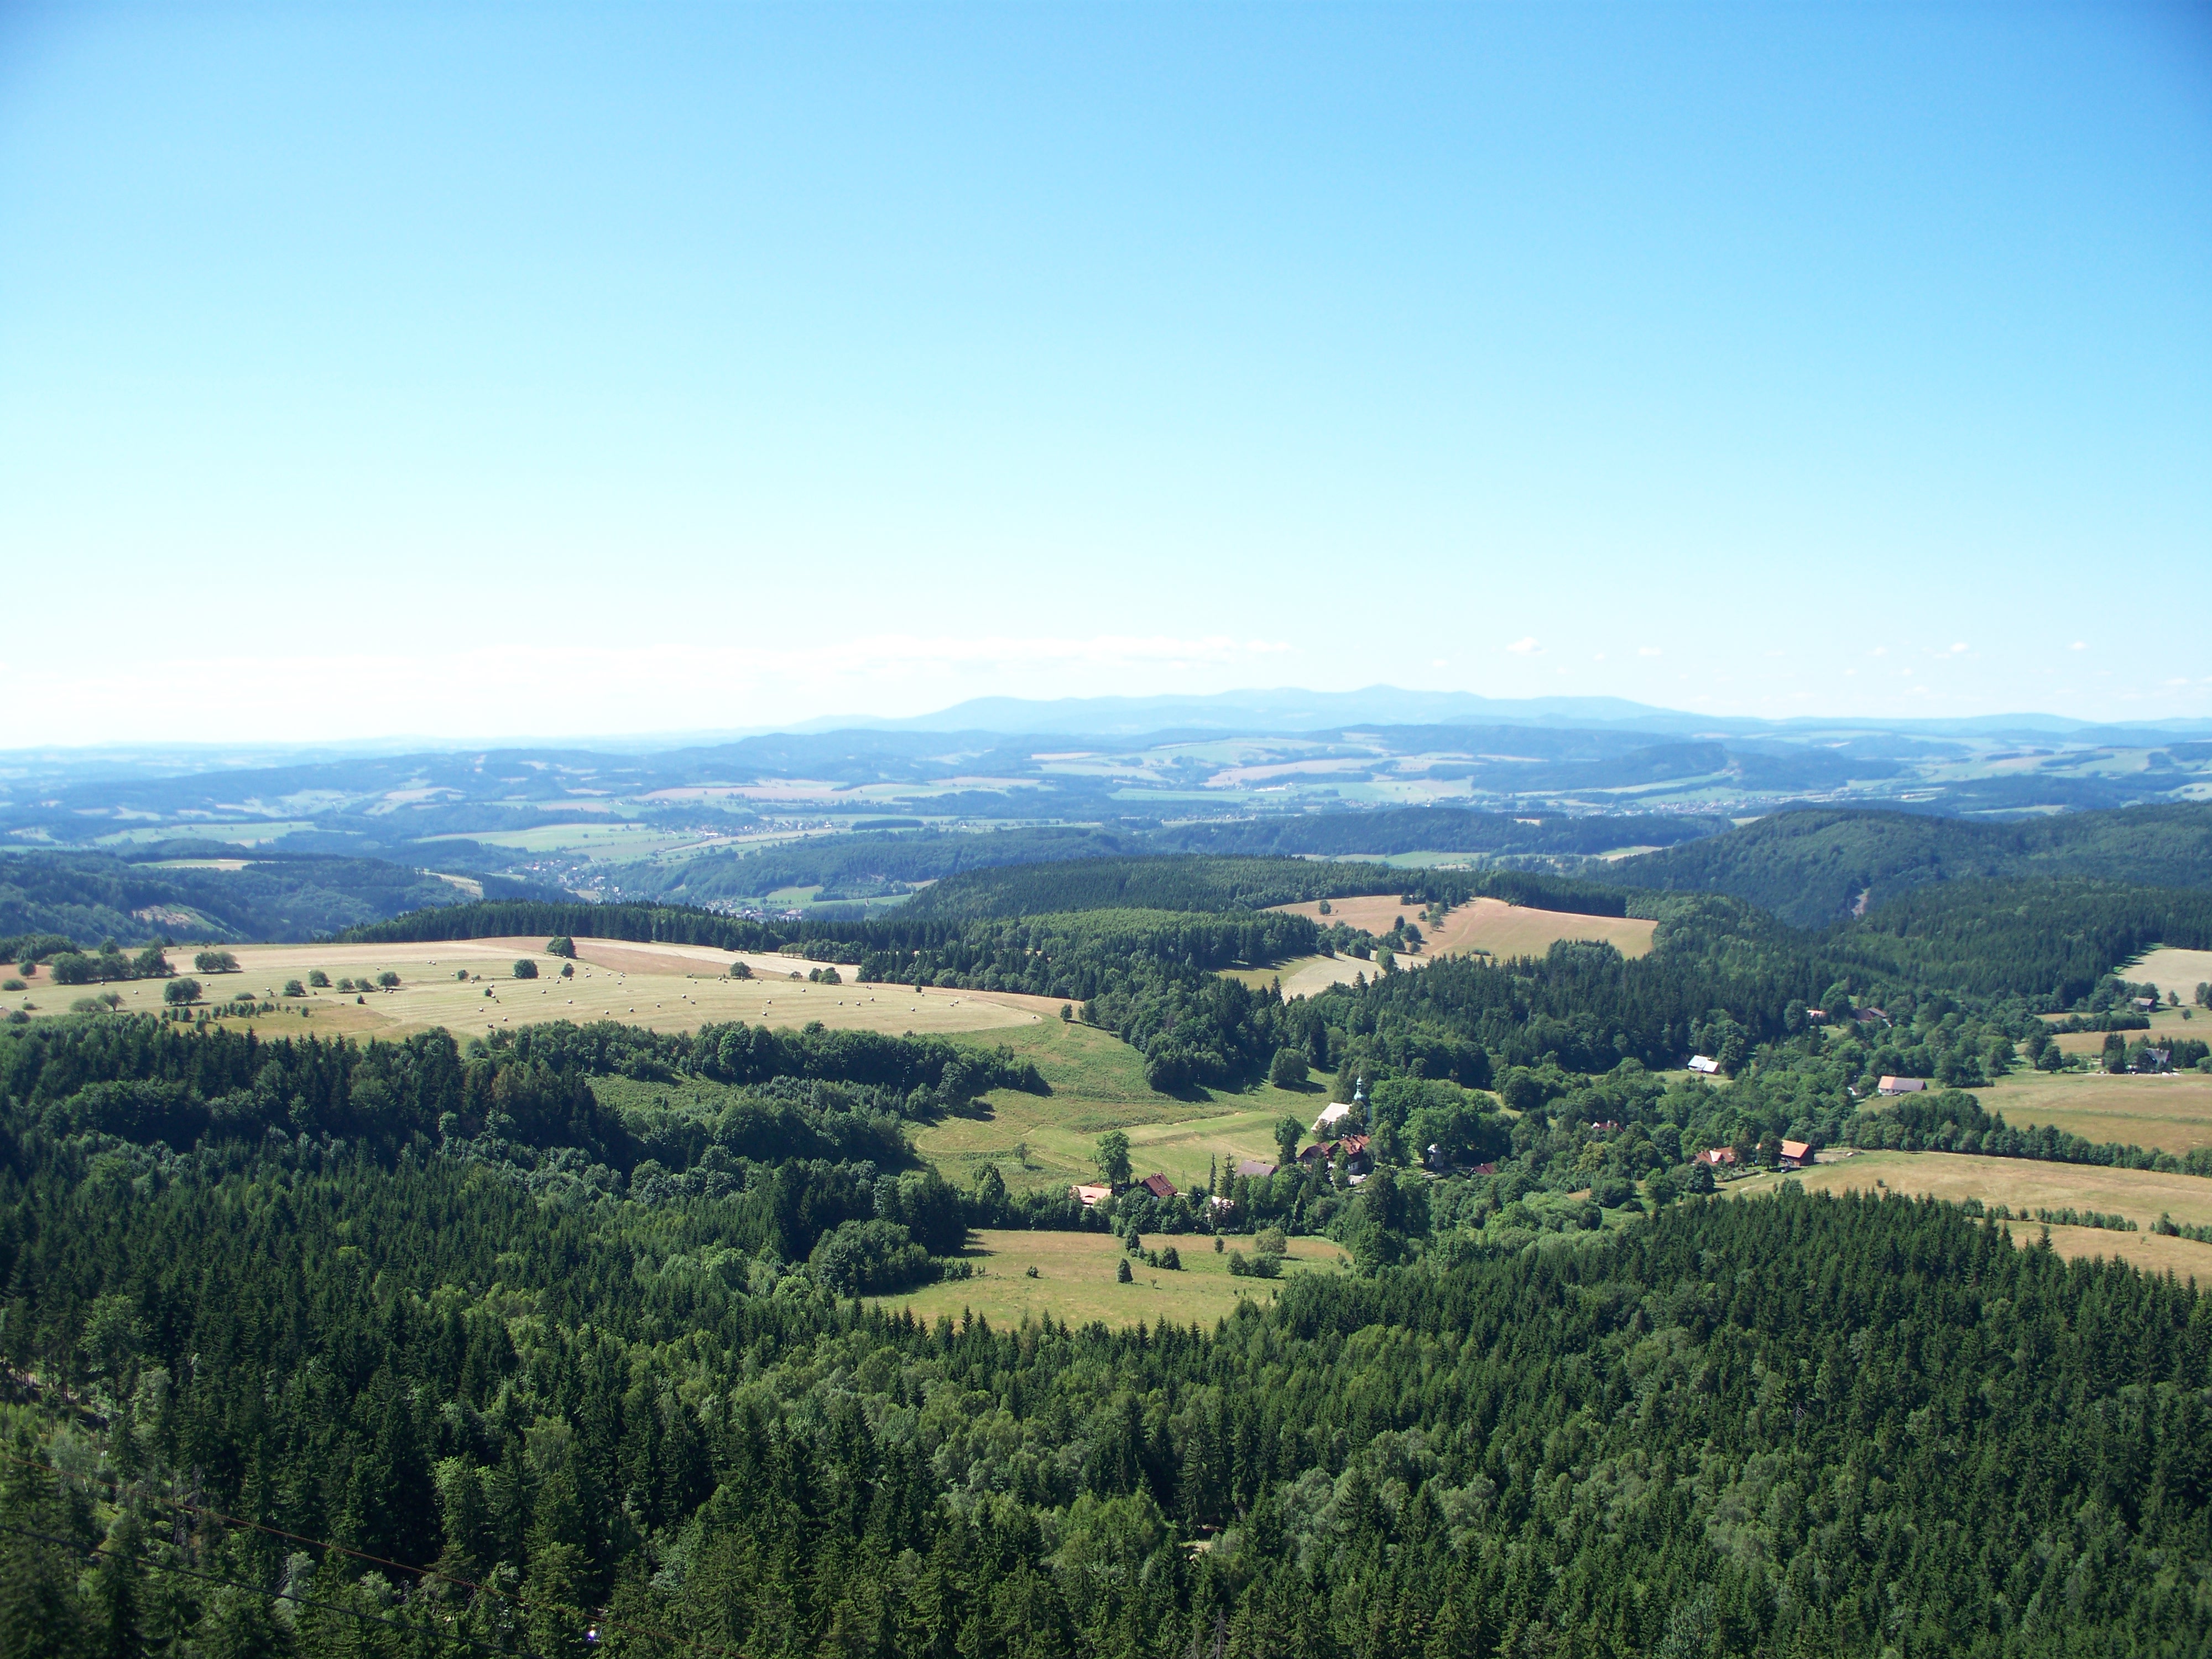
(1098, 1083)
(1483, 925)
(2166, 1023)
(1075, 1280)
(663, 987)
(2024, 1185)
(2171, 1111)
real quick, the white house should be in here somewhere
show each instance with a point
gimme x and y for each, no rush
(1331, 1114)
(1705, 1063)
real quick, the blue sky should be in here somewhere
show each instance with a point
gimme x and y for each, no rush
(539, 369)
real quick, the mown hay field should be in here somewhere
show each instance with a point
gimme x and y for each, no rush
(2172, 1112)
(1075, 1280)
(664, 987)
(2171, 969)
(1483, 924)
(2025, 1186)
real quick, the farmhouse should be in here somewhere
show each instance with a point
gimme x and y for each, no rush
(2155, 1059)
(1705, 1063)
(1331, 1114)
(1816, 1015)
(1256, 1169)
(1901, 1086)
(1159, 1187)
(2147, 1004)
(1719, 1158)
(1089, 1193)
(1324, 1152)
(1796, 1154)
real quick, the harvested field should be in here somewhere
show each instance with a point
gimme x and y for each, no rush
(1075, 1280)
(2141, 1195)
(2171, 969)
(1485, 924)
(664, 987)
(2171, 1112)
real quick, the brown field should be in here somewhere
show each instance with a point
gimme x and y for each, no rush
(1305, 977)
(1075, 1280)
(2139, 1194)
(2172, 1112)
(664, 987)
(1485, 924)
(2171, 969)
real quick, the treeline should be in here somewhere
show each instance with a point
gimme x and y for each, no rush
(1201, 884)
(146, 1080)
(862, 861)
(1807, 1425)
(669, 924)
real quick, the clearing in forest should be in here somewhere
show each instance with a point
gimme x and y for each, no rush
(2024, 1185)
(1483, 924)
(2170, 969)
(1076, 1281)
(1097, 1085)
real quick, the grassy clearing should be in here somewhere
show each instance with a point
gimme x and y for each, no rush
(1075, 1280)
(2171, 969)
(2172, 1113)
(1488, 924)
(664, 987)
(1098, 1083)
(2023, 1185)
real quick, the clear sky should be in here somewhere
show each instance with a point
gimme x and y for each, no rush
(546, 369)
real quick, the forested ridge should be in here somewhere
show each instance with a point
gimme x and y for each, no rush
(90, 897)
(1813, 864)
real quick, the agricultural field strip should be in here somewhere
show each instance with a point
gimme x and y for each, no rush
(1484, 924)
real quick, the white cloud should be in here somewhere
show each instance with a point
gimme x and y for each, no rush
(1959, 647)
(1647, 651)
(1527, 648)
(2079, 645)
(1879, 650)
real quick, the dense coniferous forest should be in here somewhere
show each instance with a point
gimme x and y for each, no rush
(1785, 1427)
(1811, 866)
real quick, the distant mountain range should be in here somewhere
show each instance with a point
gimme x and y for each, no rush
(1289, 709)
